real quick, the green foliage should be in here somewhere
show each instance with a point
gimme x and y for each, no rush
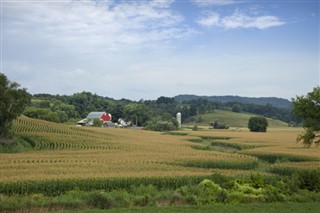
(176, 133)
(195, 128)
(13, 100)
(143, 192)
(310, 180)
(101, 200)
(162, 126)
(97, 122)
(139, 114)
(258, 124)
(276, 157)
(308, 108)
(218, 125)
(63, 116)
(211, 193)
(17, 144)
(245, 165)
(236, 108)
(42, 113)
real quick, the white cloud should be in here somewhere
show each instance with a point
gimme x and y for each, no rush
(87, 25)
(239, 20)
(204, 3)
(211, 19)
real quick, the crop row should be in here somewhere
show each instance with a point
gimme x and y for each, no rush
(27, 125)
(56, 187)
(46, 142)
(278, 157)
(219, 164)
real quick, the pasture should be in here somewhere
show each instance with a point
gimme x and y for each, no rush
(232, 119)
(69, 152)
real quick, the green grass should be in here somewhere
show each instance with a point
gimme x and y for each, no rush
(256, 208)
(231, 118)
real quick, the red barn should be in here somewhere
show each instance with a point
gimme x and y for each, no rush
(103, 116)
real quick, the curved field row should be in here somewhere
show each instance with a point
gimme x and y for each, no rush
(290, 167)
(59, 142)
(24, 124)
(66, 152)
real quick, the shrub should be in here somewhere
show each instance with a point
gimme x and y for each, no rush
(97, 122)
(211, 192)
(310, 180)
(258, 124)
(161, 126)
(218, 125)
(195, 128)
(101, 200)
(273, 194)
(244, 193)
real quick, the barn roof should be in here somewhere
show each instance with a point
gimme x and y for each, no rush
(93, 115)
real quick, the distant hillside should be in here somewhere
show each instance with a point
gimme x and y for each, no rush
(232, 119)
(276, 102)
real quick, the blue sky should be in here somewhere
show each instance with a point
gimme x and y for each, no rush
(147, 49)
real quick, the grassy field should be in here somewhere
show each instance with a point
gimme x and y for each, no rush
(68, 152)
(232, 119)
(256, 208)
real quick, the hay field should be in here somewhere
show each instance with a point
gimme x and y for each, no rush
(69, 152)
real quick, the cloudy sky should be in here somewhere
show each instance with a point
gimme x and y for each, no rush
(146, 49)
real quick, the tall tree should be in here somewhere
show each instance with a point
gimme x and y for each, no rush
(308, 108)
(139, 114)
(258, 124)
(13, 100)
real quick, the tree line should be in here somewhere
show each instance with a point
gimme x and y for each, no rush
(60, 108)
(152, 113)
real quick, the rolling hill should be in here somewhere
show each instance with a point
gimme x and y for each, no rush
(276, 102)
(232, 119)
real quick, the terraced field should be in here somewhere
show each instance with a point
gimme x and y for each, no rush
(69, 152)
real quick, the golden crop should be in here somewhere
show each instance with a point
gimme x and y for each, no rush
(69, 152)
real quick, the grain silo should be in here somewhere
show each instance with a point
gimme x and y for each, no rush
(179, 119)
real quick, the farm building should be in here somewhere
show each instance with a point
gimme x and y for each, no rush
(103, 116)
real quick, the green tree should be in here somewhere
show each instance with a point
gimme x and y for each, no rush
(258, 124)
(138, 113)
(308, 108)
(236, 108)
(13, 100)
(97, 122)
(42, 113)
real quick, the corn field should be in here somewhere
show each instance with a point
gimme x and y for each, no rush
(64, 157)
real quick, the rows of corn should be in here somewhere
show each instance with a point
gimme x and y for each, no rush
(66, 155)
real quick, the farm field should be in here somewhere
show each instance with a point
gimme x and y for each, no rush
(69, 152)
(232, 119)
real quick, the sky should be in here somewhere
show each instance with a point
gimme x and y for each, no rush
(147, 49)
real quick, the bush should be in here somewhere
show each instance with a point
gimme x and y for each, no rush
(258, 124)
(211, 193)
(218, 125)
(195, 128)
(161, 126)
(101, 200)
(97, 122)
(310, 180)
